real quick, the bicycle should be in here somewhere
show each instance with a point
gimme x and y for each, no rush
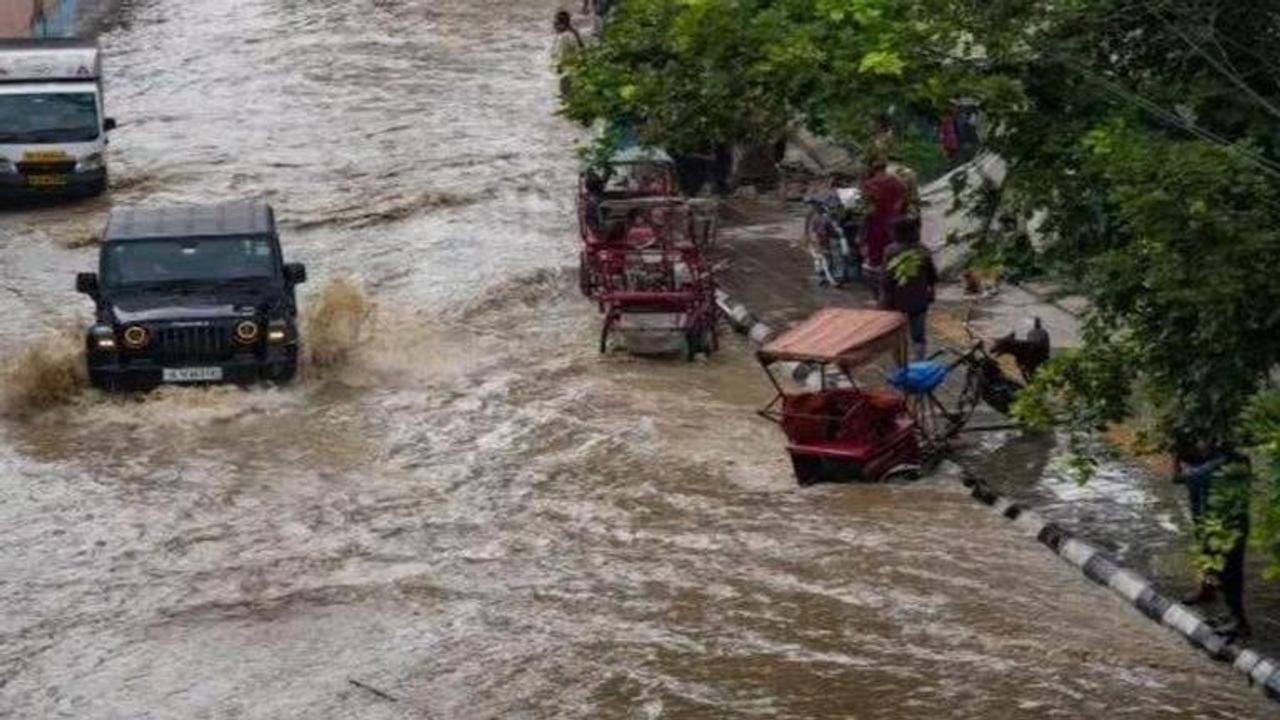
(984, 381)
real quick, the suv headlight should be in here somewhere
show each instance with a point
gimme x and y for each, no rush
(136, 337)
(247, 332)
(103, 338)
(7, 167)
(277, 331)
(91, 163)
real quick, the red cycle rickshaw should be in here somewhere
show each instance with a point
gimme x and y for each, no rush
(651, 275)
(839, 427)
(860, 411)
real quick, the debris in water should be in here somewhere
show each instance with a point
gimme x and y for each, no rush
(385, 696)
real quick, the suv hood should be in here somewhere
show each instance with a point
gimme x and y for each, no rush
(155, 307)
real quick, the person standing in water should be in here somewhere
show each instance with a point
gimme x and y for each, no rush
(568, 45)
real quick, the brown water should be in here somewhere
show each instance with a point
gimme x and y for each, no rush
(465, 507)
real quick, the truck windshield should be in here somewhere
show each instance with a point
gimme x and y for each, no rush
(204, 260)
(49, 118)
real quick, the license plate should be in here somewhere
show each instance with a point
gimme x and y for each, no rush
(192, 374)
(46, 180)
(45, 156)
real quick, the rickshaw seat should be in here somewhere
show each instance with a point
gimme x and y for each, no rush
(919, 378)
(843, 415)
(640, 235)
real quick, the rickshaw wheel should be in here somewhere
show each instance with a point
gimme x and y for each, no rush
(604, 339)
(691, 344)
(584, 276)
(808, 470)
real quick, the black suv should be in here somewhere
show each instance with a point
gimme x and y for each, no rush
(192, 295)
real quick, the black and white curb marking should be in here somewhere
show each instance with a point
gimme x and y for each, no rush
(1262, 672)
(742, 320)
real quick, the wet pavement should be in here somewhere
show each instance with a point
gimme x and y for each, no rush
(466, 508)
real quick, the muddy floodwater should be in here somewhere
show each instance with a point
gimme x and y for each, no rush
(462, 511)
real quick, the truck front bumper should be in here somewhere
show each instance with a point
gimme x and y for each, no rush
(17, 186)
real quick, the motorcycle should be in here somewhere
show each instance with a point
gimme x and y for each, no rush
(832, 236)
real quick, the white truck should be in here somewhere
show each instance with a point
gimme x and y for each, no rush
(53, 131)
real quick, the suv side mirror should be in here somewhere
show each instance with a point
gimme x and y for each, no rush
(295, 273)
(87, 284)
(109, 124)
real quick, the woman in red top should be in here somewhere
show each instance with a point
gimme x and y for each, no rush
(886, 199)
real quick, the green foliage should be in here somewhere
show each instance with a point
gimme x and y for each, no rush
(1225, 520)
(907, 266)
(1263, 424)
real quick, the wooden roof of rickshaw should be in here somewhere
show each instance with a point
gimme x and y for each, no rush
(844, 335)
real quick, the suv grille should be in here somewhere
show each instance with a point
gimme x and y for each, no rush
(184, 345)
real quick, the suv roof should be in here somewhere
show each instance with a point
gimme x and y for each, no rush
(234, 218)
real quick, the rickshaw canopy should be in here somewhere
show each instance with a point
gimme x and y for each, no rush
(841, 335)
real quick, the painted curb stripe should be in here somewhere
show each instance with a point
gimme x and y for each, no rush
(1129, 586)
(1053, 536)
(1246, 661)
(1261, 671)
(1181, 619)
(1152, 604)
(1031, 523)
(760, 333)
(1099, 569)
(1077, 553)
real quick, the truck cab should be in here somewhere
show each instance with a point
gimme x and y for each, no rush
(192, 295)
(53, 127)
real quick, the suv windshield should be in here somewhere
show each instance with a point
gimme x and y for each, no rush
(144, 262)
(49, 118)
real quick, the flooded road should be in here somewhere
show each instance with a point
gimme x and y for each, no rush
(468, 509)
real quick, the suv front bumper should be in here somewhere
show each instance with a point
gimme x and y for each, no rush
(277, 365)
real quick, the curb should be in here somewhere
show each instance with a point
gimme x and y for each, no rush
(1261, 672)
(742, 319)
